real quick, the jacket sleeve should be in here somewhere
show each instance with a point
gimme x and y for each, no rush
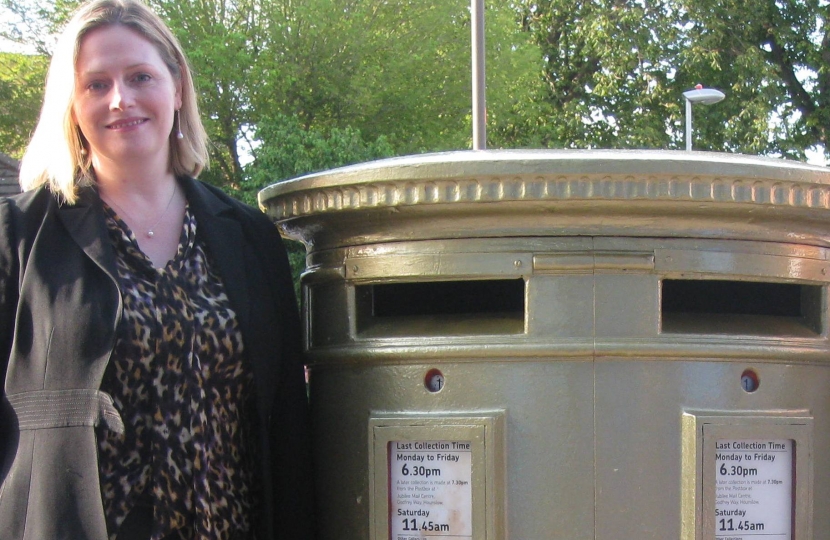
(293, 461)
(8, 302)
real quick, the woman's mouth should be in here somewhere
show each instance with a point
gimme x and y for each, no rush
(123, 124)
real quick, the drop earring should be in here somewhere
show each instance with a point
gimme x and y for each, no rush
(83, 151)
(179, 134)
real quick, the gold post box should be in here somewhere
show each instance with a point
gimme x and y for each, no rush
(609, 345)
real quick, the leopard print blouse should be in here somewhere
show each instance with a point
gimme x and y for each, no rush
(179, 378)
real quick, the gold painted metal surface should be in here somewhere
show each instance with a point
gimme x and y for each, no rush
(603, 386)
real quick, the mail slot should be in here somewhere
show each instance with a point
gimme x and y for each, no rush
(561, 344)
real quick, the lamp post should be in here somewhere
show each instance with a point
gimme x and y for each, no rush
(705, 96)
(479, 102)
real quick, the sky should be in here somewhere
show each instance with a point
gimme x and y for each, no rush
(815, 157)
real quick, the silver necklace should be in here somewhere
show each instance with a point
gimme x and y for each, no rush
(150, 231)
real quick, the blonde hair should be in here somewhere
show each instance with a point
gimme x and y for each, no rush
(56, 155)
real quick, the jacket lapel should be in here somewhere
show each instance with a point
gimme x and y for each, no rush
(85, 223)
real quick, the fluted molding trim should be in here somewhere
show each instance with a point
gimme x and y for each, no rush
(549, 189)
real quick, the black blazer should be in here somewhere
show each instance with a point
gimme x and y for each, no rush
(60, 305)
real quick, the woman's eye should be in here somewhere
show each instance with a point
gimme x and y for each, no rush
(96, 86)
(142, 77)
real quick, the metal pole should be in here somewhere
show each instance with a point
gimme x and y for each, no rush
(479, 103)
(688, 125)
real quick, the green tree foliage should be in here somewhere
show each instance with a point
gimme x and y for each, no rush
(395, 68)
(21, 93)
(289, 150)
(607, 73)
(615, 71)
(223, 42)
(587, 74)
(773, 59)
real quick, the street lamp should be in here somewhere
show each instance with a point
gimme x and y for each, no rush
(705, 96)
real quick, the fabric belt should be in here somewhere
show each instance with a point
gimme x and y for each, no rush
(44, 409)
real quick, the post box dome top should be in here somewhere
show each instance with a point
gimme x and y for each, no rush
(448, 165)
(555, 192)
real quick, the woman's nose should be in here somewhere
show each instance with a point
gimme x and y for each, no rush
(121, 97)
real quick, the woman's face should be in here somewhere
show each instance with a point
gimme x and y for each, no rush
(125, 98)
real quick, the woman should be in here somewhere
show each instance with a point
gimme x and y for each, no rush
(149, 341)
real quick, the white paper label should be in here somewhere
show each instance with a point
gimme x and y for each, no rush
(754, 490)
(430, 490)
